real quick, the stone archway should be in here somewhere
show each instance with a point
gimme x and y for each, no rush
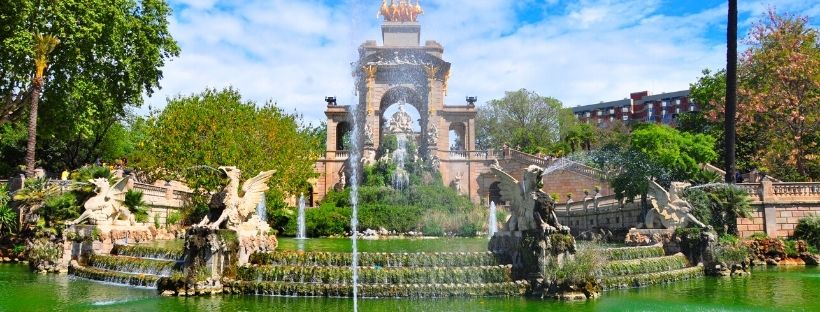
(411, 97)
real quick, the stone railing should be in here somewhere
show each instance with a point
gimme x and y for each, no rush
(796, 190)
(159, 196)
(457, 155)
(338, 154)
(767, 191)
(531, 159)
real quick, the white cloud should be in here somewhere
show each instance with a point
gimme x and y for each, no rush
(297, 52)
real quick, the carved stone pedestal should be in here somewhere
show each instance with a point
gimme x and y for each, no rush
(81, 241)
(529, 252)
(649, 237)
(211, 255)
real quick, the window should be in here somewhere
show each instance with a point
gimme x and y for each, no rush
(649, 112)
(600, 113)
(692, 107)
(625, 109)
(663, 104)
(587, 114)
(663, 112)
(626, 117)
(677, 110)
(677, 102)
(611, 118)
(612, 111)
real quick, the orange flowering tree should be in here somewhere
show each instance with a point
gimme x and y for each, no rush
(778, 98)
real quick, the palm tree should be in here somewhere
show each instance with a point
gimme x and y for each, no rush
(43, 45)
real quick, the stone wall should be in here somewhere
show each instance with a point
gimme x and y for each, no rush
(778, 206)
(776, 219)
(591, 212)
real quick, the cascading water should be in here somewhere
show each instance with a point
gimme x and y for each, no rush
(262, 209)
(491, 225)
(301, 219)
(400, 178)
(355, 155)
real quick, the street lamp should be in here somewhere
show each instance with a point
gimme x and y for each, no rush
(331, 100)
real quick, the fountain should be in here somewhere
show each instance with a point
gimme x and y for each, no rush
(400, 179)
(491, 224)
(262, 209)
(300, 221)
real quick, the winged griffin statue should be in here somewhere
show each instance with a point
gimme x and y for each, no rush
(107, 205)
(240, 209)
(531, 208)
(669, 210)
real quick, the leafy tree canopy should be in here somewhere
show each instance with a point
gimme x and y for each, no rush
(778, 109)
(217, 128)
(521, 119)
(111, 53)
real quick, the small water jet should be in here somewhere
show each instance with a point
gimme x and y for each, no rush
(300, 221)
(492, 226)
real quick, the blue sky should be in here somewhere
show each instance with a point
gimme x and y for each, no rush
(296, 52)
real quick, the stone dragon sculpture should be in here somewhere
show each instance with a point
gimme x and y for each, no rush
(107, 205)
(239, 209)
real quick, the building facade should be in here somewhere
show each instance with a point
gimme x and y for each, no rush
(638, 107)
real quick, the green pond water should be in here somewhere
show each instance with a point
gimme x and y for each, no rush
(773, 289)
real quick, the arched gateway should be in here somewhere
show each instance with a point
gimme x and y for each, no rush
(402, 70)
(399, 70)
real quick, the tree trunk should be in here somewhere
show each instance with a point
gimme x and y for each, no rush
(32, 126)
(731, 92)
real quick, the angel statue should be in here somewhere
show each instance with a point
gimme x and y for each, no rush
(107, 205)
(240, 209)
(669, 210)
(521, 196)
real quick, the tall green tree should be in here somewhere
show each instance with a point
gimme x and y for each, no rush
(217, 128)
(656, 152)
(521, 118)
(111, 53)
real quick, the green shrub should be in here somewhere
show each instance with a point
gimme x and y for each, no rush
(8, 217)
(173, 218)
(62, 207)
(808, 229)
(432, 229)
(585, 268)
(91, 172)
(758, 236)
(720, 206)
(135, 204)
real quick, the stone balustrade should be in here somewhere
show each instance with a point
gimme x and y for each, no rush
(338, 154)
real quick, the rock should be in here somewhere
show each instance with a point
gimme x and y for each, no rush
(168, 293)
(809, 258)
(383, 231)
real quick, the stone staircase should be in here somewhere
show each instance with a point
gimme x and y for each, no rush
(641, 266)
(381, 275)
(136, 265)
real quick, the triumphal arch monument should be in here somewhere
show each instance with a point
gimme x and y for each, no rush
(400, 71)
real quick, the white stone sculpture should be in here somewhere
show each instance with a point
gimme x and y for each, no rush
(401, 122)
(669, 210)
(432, 135)
(106, 206)
(368, 135)
(240, 211)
